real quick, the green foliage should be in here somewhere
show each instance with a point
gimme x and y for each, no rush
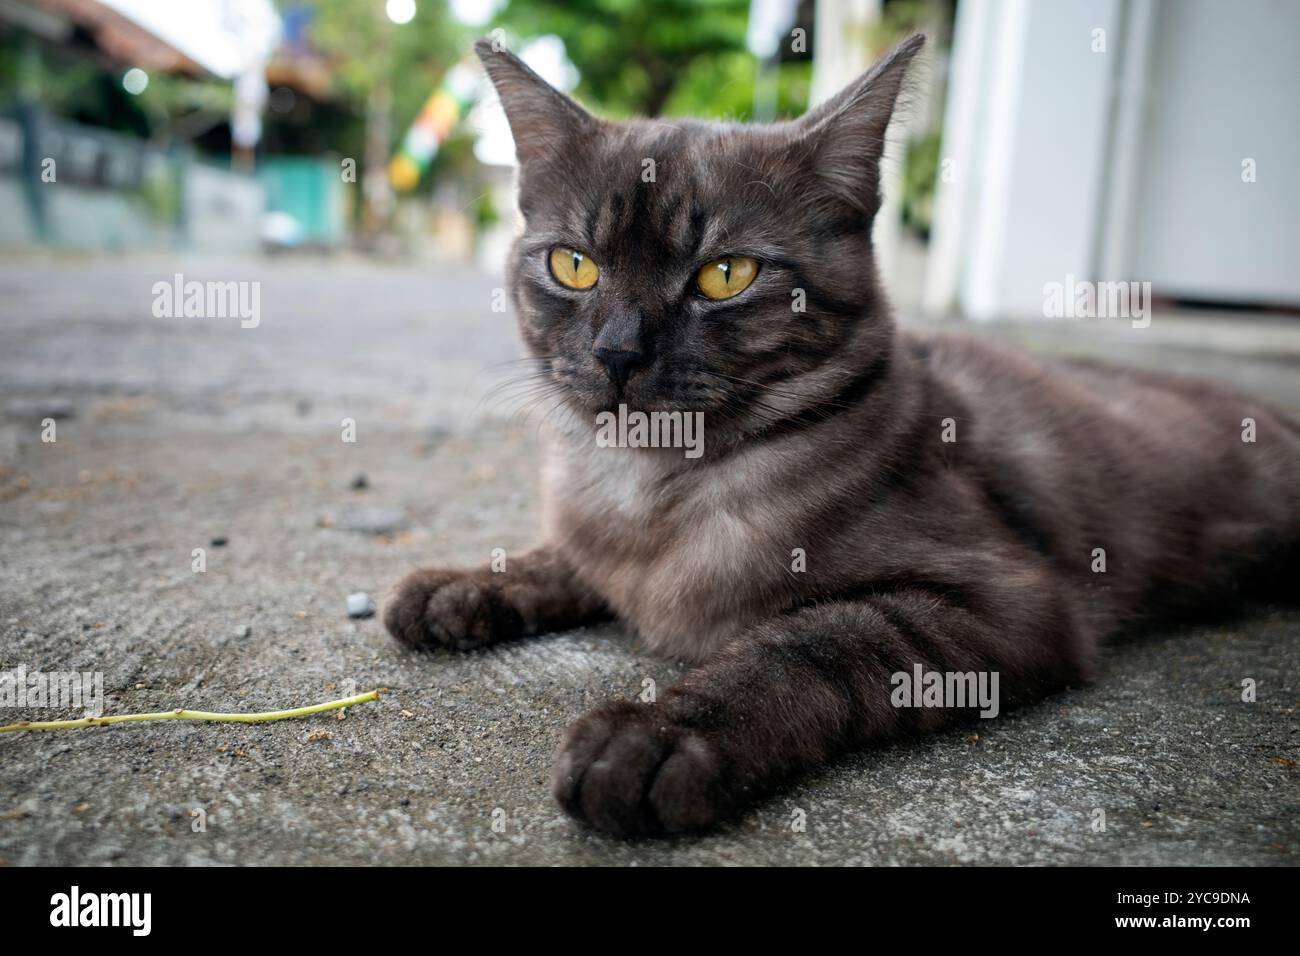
(84, 91)
(485, 212)
(366, 50)
(920, 175)
(648, 59)
(672, 57)
(901, 18)
(160, 194)
(722, 87)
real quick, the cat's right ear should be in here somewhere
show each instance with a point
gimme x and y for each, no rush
(542, 120)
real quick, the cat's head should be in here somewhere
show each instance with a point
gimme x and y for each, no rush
(679, 265)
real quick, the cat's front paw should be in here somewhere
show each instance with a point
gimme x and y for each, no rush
(457, 609)
(627, 770)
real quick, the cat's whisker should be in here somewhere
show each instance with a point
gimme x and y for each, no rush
(525, 360)
(519, 382)
(518, 407)
(529, 403)
(521, 387)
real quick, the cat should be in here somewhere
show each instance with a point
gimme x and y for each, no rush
(869, 501)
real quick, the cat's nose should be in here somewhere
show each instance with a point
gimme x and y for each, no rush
(618, 363)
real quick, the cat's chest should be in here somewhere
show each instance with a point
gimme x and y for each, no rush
(687, 556)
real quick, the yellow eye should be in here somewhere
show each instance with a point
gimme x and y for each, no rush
(573, 269)
(723, 278)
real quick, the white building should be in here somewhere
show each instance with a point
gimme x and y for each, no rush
(1140, 140)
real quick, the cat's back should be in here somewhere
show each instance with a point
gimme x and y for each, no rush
(1079, 399)
(1183, 476)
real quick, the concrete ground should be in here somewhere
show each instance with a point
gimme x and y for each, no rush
(172, 434)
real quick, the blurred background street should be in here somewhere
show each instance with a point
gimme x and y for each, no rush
(339, 158)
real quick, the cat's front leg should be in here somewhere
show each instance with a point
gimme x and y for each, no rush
(465, 609)
(790, 695)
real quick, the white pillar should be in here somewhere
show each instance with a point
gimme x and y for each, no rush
(840, 55)
(1030, 147)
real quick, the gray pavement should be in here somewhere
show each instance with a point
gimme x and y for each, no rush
(172, 433)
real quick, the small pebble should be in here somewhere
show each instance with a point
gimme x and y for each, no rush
(360, 605)
(243, 630)
(437, 437)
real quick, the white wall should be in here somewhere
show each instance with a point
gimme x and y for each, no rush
(1222, 88)
(1028, 177)
(1119, 164)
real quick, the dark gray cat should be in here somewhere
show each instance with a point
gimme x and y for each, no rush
(868, 500)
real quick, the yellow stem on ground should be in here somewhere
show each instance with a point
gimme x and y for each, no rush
(192, 715)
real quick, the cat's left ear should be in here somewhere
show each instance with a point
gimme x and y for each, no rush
(542, 119)
(846, 134)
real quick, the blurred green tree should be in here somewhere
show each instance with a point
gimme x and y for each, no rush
(647, 59)
(368, 52)
(71, 83)
(387, 70)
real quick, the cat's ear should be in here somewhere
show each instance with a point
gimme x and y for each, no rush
(845, 136)
(542, 119)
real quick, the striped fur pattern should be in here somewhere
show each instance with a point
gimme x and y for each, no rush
(825, 437)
